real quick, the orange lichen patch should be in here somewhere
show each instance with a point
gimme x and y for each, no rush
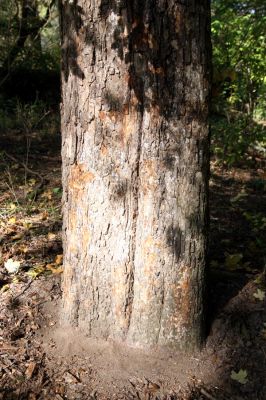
(156, 70)
(148, 175)
(181, 292)
(72, 220)
(119, 295)
(79, 177)
(153, 44)
(135, 23)
(128, 127)
(150, 254)
(85, 238)
(103, 150)
(102, 115)
(155, 111)
(149, 263)
(114, 116)
(178, 21)
(125, 109)
(148, 242)
(127, 78)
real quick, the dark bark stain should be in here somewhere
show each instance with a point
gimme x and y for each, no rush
(175, 239)
(154, 40)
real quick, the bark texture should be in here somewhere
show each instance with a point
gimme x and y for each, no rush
(135, 87)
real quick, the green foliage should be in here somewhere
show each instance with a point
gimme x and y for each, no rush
(237, 139)
(239, 48)
(29, 35)
(28, 117)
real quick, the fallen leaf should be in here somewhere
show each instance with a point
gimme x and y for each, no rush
(12, 266)
(25, 249)
(240, 376)
(5, 288)
(12, 206)
(36, 271)
(30, 370)
(55, 269)
(18, 236)
(32, 182)
(232, 260)
(27, 225)
(59, 259)
(56, 190)
(44, 215)
(51, 236)
(260, 294)
(12, 220)
(47, 194)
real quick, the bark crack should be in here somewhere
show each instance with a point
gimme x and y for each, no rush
(135, 190)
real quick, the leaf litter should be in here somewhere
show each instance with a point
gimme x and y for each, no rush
(30, 271)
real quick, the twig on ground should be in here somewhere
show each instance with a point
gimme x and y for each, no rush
(208, 395)
(23, 291)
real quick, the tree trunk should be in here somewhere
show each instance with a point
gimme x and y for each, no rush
(135, 87)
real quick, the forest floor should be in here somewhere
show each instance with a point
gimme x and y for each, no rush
(38, 361)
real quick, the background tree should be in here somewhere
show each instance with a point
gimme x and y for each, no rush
(239, 45)
(239, 87)
(135, 87)
(23, 21)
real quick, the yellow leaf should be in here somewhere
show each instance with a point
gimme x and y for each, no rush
(51, 236)
(32, 182)
(54, 268)
(50, 266)
(58, 270)
(12, 206)
(59, 259)
(12, 220)
(240, 376)
(232, 260)
(27, 225)
(5, 288)
(36, 271)
(47, 194)
(260, 295)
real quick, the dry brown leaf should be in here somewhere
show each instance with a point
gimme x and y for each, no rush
(44, 215)
(59, 259)
(30, 370)
(55, 269)
(51, 236)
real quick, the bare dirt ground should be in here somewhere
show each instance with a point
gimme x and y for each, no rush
(39, 360)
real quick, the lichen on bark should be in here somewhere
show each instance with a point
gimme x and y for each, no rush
(135, 87)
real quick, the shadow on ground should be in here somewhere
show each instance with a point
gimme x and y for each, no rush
(30, 234)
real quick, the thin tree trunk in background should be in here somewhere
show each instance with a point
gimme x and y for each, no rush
(30, 26)
(135, 88)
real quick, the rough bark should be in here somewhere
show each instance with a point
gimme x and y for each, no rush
(135, 88)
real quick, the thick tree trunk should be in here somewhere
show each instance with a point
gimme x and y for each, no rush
(135, 86)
